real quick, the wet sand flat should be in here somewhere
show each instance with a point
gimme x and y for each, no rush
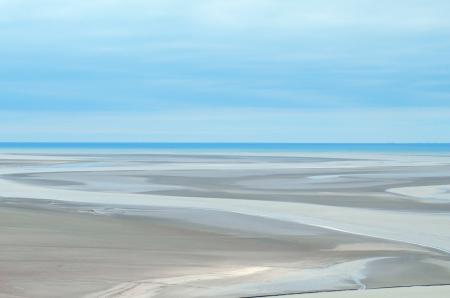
(199, 225)
(47, 249)
(407, 292)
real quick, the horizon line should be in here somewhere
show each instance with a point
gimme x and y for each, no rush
(225, 142)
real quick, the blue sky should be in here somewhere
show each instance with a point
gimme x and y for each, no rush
(206, 70)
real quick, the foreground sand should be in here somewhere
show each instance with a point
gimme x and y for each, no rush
(412, 292)
(164, 225)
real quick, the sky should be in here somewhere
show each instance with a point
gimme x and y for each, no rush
(225, 70)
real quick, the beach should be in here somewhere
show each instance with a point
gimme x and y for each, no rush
(225, 149)
(224, 224)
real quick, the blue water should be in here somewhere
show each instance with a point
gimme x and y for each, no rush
(236, 147)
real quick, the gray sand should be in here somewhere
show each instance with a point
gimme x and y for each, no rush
(52, 248)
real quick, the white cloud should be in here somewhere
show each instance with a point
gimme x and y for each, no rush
(241, 14)
(245, 125)
(374, 52)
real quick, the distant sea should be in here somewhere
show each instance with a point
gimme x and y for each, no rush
(232, 147)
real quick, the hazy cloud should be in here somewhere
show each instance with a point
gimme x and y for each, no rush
(143, 56)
